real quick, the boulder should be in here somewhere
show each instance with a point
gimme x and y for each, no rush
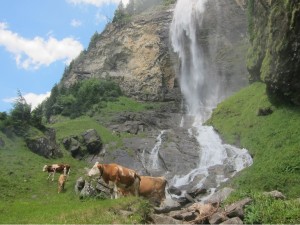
(237, 209)
(45, 145)
(235, 220)
(163, 219)
(89, 143)
(217, 218)
(195, 192)
(174, 190)
(79, 185)
(275, 194)
(74, 146)
(88, 190)
(219, 196)
(92, 141)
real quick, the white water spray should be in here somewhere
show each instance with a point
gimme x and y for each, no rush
(151, 162)
(202, 89)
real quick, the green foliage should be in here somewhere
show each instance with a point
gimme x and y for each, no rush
(266, 210)
(121, 17)
(19, 120)
(272, 140)
(81, 97)
(93, 40)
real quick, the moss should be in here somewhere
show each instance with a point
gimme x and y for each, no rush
(265, 68)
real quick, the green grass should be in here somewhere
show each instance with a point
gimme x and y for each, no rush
(79, 125)
(28, 197)
(273, 140)
(123, 104)
(265, 209)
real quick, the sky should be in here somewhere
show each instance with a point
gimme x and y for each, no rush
(38, 38)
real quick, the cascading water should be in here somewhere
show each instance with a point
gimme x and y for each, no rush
(151, 162)
(202, 90)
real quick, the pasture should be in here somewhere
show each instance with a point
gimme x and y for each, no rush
(28, 197)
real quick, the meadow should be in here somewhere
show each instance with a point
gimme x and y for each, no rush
(28, 197)
(274, 143)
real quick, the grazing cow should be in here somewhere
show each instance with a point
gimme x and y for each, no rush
(117, 176)
(61, 182)
(152, 188)
(60, 168)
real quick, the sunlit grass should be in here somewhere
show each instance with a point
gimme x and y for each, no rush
(28, 197)
(273, 140)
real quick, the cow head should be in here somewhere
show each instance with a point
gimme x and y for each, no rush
(95, 170)
(45, 168)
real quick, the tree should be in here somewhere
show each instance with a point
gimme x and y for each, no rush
(21, 114)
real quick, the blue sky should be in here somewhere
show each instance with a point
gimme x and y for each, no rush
(38, 38)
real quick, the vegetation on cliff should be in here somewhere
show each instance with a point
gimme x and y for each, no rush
(274, 53)
(81, 97)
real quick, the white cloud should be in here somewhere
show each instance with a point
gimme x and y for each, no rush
(35, 99)
(76, 23)
(33, 53)
(96, 3)
(100, 18)
(31, 98)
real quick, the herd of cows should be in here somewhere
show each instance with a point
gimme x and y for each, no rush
(121, 180)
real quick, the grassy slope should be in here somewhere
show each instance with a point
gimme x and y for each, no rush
(27, 197)
(273, 140)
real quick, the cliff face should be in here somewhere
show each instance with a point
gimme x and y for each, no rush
(139, 56)
(135, 54)
(274, 28)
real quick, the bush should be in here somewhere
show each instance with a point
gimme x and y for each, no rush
(81, 97)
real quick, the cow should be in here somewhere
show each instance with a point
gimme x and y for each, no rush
(152, 188)
(117, 176)
(60, 168)
(61, 182)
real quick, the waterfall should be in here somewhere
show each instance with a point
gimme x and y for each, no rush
(151, 160)
(202, 88)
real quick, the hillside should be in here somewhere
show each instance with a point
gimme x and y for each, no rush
(28, 197)
(272, 139)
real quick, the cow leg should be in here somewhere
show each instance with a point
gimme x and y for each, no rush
(115, 190)
(111, 193)
(53, 174)
(68, 173)
(49, 175)
(136, 186)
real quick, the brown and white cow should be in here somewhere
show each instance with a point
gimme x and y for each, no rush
(61, 182)
(59, 168)
(117, 176)
(152, 188)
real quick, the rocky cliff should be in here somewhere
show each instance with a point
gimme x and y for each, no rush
(274, 28)
(135, 53)
(138, 55)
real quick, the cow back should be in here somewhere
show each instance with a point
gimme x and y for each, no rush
(153, 187)
(120, 175)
